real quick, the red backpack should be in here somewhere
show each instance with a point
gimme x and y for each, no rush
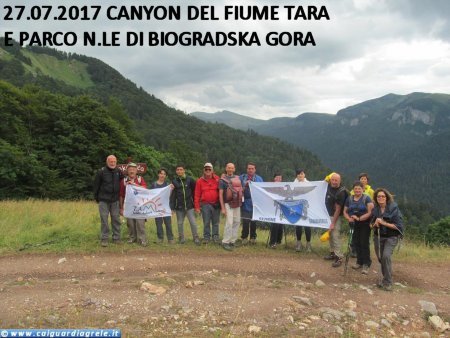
(233, 194)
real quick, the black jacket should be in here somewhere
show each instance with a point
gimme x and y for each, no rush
(392, 214)
(182, 196)
(107, 185)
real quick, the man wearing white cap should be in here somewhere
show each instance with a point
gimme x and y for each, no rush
(206, 199)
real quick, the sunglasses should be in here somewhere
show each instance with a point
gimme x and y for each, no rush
(381, 196)
(207, 169)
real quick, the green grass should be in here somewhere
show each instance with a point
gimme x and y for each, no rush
(74, 226)
(72, 72)
(4, 55)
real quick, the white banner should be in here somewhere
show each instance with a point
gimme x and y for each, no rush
(143, 203)
(291, 203)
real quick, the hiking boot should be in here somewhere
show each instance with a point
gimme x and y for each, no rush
(171, 241)
(252, 241)
(273, 246)
(237, 244)
(117, 241)
(356, 266)
(337, 263)
(379, 285)
(197, 241)
(244, 241)
(104, 243)
(216, 239)
(330, 257)
(181, 240)
(387, 287)
(353, 254)
(365, 270)
(299, 246)
(131, 241)
(205, 241)
(227, 247)
(308, 247)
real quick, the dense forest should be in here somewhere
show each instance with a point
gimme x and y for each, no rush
(51, 144)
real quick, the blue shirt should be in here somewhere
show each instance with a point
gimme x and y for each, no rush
(359, 207)
(248, 204)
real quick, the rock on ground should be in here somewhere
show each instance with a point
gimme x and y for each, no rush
(438, 324)
(153, 289)
(428, 307)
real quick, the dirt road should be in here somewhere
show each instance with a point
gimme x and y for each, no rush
(217, 293)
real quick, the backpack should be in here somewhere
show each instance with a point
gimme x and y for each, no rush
(233, 194)
(357, 203)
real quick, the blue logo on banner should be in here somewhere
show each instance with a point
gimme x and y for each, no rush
(293, 210)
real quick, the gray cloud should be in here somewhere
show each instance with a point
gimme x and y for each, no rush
(367, 49)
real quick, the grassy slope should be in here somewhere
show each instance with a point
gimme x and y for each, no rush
(74, 226)
(72, 72)
(4, 55)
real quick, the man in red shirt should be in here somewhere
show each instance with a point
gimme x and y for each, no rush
(136, 227)
(206, 199)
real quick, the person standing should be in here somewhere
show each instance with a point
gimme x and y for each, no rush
(182, 201)
(301, 178)
(388, 227)
(206, 200)
(248, 226)
(357, 211)
(334, 200)
(136, 227)
(276, 229)
(367, 189)
(167, 220)
(230, 197)
(106, 193)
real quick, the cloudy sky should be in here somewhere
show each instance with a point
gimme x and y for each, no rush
(369, 48)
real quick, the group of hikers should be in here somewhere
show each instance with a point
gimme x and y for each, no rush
(211, 195)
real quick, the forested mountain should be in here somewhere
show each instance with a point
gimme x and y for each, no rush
(64, 113)
(402, 141)
(230, 119)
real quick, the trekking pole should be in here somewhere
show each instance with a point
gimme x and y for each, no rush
(285, 228)
(380, 279)
(347, 254)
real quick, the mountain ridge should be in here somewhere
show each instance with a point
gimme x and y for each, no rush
(399, 139)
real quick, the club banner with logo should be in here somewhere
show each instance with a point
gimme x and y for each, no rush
(293, 203)
(143, 203)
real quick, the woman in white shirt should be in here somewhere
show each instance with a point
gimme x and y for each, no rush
(301, 178)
